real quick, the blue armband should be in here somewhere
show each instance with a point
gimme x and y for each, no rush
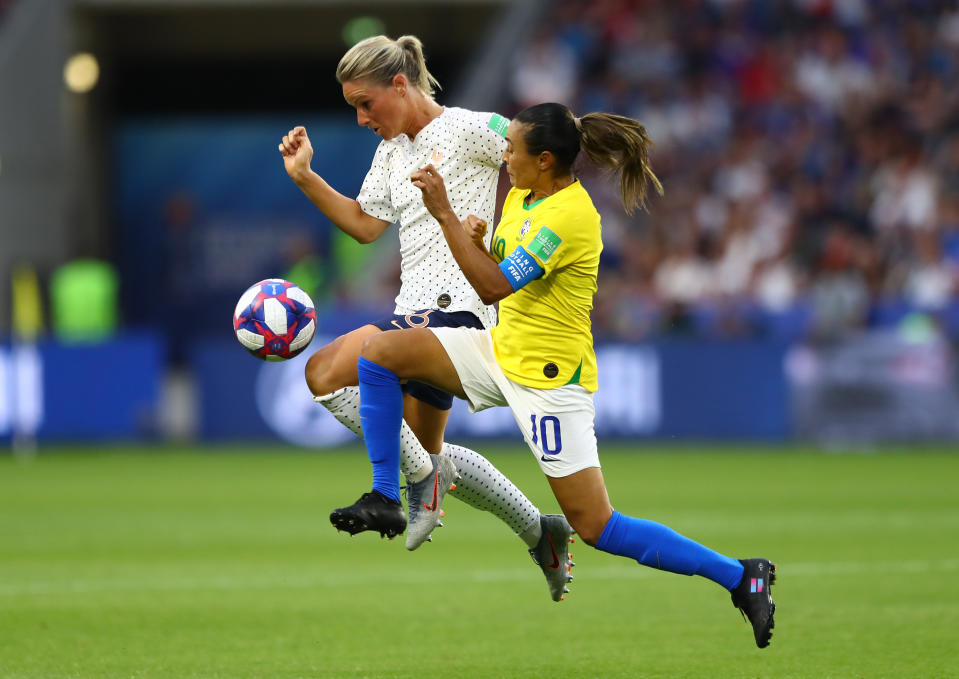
(520, 268)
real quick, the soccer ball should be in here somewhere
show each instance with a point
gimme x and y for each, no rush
(274, 320)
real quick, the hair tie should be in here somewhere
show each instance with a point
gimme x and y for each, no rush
(579, 124)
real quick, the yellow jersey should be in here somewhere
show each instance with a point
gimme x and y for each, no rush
(544, 337)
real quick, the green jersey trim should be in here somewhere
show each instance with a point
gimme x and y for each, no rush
(533, 204)
(575, 378)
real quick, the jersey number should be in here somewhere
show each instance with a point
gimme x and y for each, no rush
(547, 425)
(499, 249)
(420, 320)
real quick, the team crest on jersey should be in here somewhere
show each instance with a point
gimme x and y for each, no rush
(525, 230)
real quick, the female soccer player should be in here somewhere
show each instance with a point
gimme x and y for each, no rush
(387, 82)
(539, 360)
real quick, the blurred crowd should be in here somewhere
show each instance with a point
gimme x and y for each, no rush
(809, 151)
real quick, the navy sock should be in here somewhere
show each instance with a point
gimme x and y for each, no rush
(658, 546)
(381, 416)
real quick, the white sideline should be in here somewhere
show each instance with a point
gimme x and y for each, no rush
(166, 583)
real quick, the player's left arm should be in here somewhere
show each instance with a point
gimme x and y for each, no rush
(479, 267)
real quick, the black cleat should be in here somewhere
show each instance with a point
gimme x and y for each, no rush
(373, 511)
(754, 600)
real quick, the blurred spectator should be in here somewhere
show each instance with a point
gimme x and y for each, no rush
(808, 148)
(544, 70)
(930, 280)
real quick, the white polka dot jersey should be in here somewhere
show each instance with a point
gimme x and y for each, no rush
(466, 147)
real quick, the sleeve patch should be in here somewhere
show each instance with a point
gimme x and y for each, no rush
(520, 268)
(544, 244)
(499, 124)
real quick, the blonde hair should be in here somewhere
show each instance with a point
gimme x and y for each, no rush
(379, 58)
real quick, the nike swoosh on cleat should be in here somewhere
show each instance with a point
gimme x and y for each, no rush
(555, 563)
(436, 482)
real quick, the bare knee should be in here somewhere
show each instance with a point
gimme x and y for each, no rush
(378, 349)
(583, 498)
(589, 531)
(327, 370)
(334, 366)
(317, 373)
(589, 524)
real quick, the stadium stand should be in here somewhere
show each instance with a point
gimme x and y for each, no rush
(808, 149)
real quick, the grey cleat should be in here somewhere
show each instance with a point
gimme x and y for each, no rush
(552, 555)
(423, 500)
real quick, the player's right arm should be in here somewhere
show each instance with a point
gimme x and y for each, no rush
(344, 212)
(475, 228)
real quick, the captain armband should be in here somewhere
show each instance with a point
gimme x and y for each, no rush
(520, 268)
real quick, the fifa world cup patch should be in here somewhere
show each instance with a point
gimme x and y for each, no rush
(544, 244)
(755, 585)
(499, 124)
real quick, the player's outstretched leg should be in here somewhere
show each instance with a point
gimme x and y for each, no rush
(552, 555)
(424, 497)
(373, 511)
(753, 598)
(658, 546)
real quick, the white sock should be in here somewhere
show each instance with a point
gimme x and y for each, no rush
(344, 405)
(483, 486)
(532, 534)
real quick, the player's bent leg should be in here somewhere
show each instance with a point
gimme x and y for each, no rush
(381, 412)
(331, 377)
(329, 367)
(427, 422)
(415, 462)
(381, 396)
(585, 503)
(414, 354)
(583, 498)
(334, 366)
(426, 485)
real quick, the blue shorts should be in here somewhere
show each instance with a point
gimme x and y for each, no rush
(429, 318)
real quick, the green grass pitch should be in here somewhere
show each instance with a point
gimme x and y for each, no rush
(178, 562)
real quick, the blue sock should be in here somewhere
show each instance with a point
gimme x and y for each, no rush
(381, 416)
(658, 546)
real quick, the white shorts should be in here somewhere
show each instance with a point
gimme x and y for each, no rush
(557, 424)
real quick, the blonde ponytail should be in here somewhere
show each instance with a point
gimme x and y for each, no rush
(379, 58)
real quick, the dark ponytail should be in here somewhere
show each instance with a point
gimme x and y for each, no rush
(611, 141)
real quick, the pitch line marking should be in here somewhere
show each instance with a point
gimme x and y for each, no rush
(224, 583)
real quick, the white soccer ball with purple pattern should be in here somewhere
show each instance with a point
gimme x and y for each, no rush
(274, 320)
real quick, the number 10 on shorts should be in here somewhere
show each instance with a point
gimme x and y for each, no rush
(547, 434)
